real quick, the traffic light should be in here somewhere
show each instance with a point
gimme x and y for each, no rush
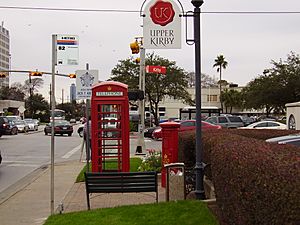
(72, 75)
(2, 75)
(35, 74)
(137, 60)
(136, 95)
(135, 48)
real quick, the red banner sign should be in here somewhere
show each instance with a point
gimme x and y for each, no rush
(156, 69)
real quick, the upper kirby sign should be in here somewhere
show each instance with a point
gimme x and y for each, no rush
(162, 25)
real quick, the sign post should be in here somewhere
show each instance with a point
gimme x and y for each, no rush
(84, 82)
(64, 52)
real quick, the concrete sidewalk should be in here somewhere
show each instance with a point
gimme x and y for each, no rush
(31, 204)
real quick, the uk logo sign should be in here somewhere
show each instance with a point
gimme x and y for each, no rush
(162, 13)
(162, 25)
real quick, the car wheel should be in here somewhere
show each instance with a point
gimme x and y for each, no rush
(14, 131)
(46, 133)
(80, 132)
(69, 134)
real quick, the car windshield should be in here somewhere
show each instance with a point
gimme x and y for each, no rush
(235, 119)
(62, 122)
(19, 122)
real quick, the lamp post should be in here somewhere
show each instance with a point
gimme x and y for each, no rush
(199, 167)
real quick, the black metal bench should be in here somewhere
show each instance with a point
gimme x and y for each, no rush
(120, 182)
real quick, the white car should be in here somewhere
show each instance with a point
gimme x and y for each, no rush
(266, 125)
(32, 125)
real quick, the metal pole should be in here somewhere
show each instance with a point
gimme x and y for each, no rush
(199, 164)
(87, 146)
(54, 37)
(141, 141)
(30, 95)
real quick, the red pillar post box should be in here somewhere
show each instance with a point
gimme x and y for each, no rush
(169, 146)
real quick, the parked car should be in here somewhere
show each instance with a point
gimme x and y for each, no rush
(247, 120)
(80, 130)
(293, 139)
(148, 131)
(36, 121)
(72, 120)
(266, 125)
(22, 126)
(31, 124)
(226, 121)
(7, 127)
(186, 125)
(60, 127)
(12, 118)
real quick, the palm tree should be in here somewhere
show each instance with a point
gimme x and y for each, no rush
(220, 63)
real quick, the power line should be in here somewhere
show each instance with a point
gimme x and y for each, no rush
(136, 11)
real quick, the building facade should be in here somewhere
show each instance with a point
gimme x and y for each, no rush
(72, 92)
(4, 54)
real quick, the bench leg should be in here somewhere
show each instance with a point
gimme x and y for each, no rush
(88, 200)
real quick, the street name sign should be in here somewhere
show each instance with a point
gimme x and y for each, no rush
(84, 82)
(67, 50)
(156, 69)
(162, 25)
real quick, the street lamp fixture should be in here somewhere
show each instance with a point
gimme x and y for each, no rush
(197, 3)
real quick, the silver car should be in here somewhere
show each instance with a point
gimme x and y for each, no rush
(227, 121)
(22, 126)
(31, 124)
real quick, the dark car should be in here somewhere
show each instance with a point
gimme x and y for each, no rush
(60, 127)
(148, 131)
(7, 127)
(0, 158)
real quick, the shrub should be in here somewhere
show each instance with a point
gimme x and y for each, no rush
(255, 182)
(152, 161)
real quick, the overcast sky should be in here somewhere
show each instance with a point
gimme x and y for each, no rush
(248, 42)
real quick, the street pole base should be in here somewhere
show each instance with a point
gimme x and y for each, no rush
(138, 149)
(200, 194)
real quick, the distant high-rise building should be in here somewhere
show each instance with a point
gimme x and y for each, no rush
(72, 92)
(4, 55)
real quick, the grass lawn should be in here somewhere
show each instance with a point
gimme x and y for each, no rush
(134, 164)
(166, 213)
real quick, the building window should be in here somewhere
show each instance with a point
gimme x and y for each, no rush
(161, 109)
(212, 98)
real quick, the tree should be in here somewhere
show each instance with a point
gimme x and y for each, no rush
(220, 63)
(12, 93)
(36, 105)
(35, 84)
(276, 86)
(158, 86)
(231, 98)
(206, 80)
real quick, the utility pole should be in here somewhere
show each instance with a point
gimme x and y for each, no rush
(141, 140)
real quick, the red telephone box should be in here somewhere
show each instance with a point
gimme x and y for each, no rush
(110, 127)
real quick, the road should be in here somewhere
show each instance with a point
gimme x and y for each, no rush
(26, 154)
